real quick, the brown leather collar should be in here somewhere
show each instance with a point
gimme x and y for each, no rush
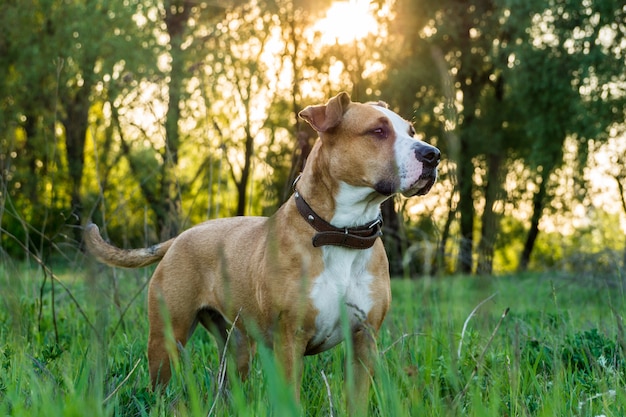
(360, 237)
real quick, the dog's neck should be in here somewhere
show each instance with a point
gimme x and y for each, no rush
(358, 237)
(356, 205)
(337, 202)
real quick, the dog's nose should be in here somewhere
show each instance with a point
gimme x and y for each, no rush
(428, 154)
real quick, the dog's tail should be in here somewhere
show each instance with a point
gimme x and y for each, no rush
(126, 258)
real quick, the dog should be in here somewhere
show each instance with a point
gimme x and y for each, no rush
(292, 279)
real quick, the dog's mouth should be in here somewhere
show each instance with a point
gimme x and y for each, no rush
(423, 184)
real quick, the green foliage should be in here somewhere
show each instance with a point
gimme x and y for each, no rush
(593, 250)
(495, 81)
(590, 349)
(557, 352)
(147, 118)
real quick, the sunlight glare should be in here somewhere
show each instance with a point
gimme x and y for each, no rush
(346, 21)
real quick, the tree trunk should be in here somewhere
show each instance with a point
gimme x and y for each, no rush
(490, 218)
(75, 123)
(242, 184)
(467, 149)
(533, 232)
(622, 196)
(31, 153)
(305, 135)
(168, 213)
(465, 170)
(440, 259)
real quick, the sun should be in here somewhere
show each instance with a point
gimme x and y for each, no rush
(346, 22)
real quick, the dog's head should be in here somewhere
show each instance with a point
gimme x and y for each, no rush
(377, 147)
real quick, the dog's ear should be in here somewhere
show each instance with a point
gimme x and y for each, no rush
(381, 103)
(325, 117)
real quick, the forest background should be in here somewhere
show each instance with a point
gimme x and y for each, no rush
(148, 117)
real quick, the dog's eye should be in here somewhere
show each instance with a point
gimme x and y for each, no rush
(380, 132)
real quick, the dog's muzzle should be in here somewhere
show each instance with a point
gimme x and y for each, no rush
(429, 156)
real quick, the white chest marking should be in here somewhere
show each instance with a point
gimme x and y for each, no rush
(345, 283)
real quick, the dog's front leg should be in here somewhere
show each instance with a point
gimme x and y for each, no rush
(364, 350)
(289, 346)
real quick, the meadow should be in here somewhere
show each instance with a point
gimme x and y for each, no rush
(73, 343)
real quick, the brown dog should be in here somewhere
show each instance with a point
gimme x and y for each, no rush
(287, 278)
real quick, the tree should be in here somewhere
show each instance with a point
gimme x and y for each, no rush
(566, 75)
(481, 71)
(447, 63)
(155, 150)
(242, 75)
(58, 56)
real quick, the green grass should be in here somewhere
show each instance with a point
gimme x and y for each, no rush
(558, 352)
